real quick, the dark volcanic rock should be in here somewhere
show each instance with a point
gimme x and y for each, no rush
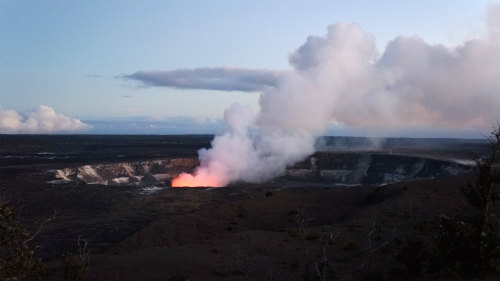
(371, 168)
(148, 179)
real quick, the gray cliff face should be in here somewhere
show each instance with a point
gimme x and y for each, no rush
(371, 168)
(143, 173)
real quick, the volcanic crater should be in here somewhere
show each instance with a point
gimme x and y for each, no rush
(340, 168)
(94, 186)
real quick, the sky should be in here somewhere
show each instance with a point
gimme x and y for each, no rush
(173, 67)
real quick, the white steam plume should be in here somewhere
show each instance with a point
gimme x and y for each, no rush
(41, 121)
(342, 78)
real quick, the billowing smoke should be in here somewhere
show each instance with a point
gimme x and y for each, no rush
(342, 78)
(41, 121)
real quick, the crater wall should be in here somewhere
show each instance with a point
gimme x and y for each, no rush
(346, 168)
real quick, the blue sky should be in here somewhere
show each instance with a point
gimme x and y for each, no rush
(72, 56)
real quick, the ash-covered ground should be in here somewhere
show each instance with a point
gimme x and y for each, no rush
(346, 211)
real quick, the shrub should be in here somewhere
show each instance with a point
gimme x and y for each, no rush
(18, 259)
(471, 245)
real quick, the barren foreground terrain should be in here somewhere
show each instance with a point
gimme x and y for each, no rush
(291, 228)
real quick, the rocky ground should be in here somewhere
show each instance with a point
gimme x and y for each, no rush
(268, 233)
(282, 230)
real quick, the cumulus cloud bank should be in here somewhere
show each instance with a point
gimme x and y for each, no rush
(342, 78)
(210, 78)
(40, 121)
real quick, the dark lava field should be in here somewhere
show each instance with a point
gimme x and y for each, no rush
(355, 210)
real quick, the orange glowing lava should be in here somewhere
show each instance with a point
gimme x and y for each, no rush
(199, 180)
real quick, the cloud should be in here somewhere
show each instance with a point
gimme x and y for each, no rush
(43, 120)
(210, 78)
